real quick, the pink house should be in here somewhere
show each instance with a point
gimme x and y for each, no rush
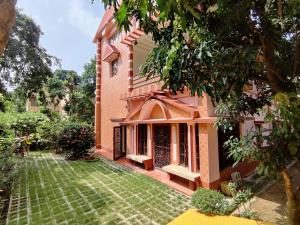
(138, 120)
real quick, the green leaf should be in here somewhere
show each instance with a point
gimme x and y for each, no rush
(293, 148)
(191, 10)
(144, 7)
(122, 13)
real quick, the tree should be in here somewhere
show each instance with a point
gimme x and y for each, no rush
(217, 47)
(7, 20)
(80, 107)
(25, 63)
(74, 90)
(88, 79)
(57, 88)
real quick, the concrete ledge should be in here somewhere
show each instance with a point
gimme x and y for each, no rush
(143, 159)
(181, 171)
(138, 158)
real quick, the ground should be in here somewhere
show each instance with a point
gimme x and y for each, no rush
(270, 205)
(52, 190)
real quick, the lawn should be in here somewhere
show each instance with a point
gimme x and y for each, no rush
(52, 190)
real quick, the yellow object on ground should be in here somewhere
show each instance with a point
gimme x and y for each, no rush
(194, 217)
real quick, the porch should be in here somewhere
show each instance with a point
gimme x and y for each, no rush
(168, 134)
(169, 147)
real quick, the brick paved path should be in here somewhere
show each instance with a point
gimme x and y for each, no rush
(51, 190)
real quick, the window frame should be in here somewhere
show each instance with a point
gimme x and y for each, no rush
(114, 67)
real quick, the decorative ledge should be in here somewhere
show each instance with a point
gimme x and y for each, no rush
(111, 53)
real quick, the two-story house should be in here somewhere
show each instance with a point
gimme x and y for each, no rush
(138, 120)
(32, 105)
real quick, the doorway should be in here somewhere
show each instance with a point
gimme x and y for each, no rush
(162, 140)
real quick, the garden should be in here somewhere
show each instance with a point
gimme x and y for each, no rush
(52, 190)
(52, 177)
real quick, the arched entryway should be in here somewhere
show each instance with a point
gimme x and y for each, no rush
(154, 109)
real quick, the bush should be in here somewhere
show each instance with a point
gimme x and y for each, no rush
(75, 139)
(249, 214)
(49, 132)
(27, 123)
(210, 201)
(8, 166)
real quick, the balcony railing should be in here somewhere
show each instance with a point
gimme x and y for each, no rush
(142, 81)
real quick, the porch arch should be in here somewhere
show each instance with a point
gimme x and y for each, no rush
(154, 109)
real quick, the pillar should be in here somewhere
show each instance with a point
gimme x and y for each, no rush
(129, 147)
(190, 146)
(206, 108)
(194, 156)
(130, 68)
(209, 156)
(174, 144)
(98, 96)
(149, 140)
(134, 139)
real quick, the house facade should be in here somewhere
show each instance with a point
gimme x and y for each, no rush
(32, 105)
(136, 119)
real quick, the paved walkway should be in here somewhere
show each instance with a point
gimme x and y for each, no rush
(178, 184)
(51, 190)
(271, 204)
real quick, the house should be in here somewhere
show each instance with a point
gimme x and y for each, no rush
(32, 105)
(136, 119)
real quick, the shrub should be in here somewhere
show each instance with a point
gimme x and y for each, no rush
(249, 214)
(8, 167)
(27, 123)
(210, 201)
(242, 197)
(49, 132)
(75, 139)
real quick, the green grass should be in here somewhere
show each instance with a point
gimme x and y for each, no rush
(51, 190)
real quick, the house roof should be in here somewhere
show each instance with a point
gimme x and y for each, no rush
(108, 15)
(192, 110)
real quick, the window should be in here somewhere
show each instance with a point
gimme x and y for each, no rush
(114, 67)
(33, 101)
(142, 139)
(224, 159)
(259, 131)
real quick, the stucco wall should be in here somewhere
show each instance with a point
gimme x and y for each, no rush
(111, 90)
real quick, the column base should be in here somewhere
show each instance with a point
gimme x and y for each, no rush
(212, 185)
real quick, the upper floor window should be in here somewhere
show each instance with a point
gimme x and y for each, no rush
(114, 38)
(114, 67)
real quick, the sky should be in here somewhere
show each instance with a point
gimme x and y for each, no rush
(68, 26)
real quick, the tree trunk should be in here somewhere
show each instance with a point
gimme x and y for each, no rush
(7, 20)
(292, 199)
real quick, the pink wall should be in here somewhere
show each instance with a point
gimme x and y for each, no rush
(111, 90)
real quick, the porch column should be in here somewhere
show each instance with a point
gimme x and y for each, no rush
(194, 156)
(129, 147)
(209, 156)
(190, 146)
(149, 140)
(134, 139)
(98, 96)
(174, 144)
